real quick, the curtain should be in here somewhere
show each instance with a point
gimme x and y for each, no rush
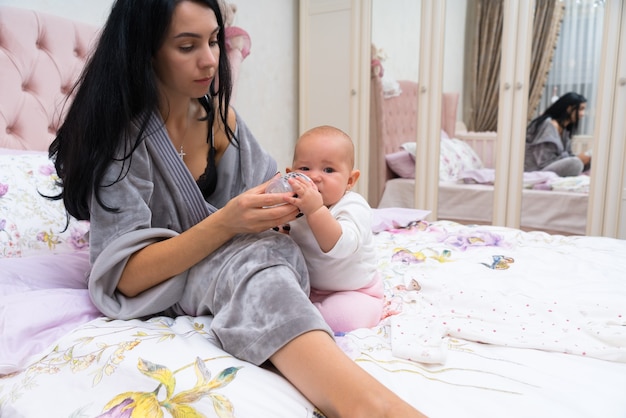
(484, 66)
(485, 50)
(575, 65)
(546, 25)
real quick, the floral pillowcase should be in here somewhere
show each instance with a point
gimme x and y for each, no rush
(30, 223)
(455, 156)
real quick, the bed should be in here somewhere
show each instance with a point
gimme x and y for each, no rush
(478, 320)
(466, 167)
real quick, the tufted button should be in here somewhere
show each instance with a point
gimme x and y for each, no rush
(65, 90)
(52, 129)
(9, 130)
(76, 52)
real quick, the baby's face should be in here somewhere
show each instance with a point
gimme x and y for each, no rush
(327, 160)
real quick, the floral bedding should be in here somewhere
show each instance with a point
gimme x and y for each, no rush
(29, 222)
(502, 322)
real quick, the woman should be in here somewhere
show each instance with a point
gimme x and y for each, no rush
(549, 138)
(173, 184)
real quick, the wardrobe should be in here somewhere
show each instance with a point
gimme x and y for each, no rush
(335, 50)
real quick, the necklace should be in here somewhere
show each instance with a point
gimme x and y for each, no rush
(181, 151)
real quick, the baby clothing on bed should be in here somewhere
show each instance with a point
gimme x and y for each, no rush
(251, 284)
(344, 281)
(420, 339)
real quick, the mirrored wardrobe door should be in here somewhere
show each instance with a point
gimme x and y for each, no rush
(469, 116)
(607, 195)
(429, 105)
(395, 44)
(566, 63)
(512, 108)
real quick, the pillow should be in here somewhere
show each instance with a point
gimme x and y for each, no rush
(402, 164)
(29, 222)
(55, 305)
(455, 156)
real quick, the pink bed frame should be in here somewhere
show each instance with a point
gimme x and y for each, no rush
(41, 56)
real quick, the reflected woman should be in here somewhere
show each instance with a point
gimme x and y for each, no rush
(549, 138)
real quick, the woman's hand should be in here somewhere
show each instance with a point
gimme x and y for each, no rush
(256, 211)
(585, 157)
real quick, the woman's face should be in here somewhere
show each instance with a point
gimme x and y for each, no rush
(581, 110)
(187, 62)
(575, 116)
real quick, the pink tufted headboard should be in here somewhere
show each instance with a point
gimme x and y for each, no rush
(41, 56)
(393, 121)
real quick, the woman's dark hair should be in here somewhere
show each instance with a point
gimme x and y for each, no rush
(561, 111)
(118, 85)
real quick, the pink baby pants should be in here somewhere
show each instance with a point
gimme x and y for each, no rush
(347, 310)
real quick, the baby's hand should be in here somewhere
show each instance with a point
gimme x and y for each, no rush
(280, 184)
(307, 197)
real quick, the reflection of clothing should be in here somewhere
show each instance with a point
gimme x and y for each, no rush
(349, 268)
(546, 150)
(255, 285)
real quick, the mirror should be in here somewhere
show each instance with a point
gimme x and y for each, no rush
(466, 147)
(395, 33)
(575, 67)
(396, 40)
(395, 37)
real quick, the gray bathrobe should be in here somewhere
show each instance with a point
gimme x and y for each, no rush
(255, 285)
(545, 146)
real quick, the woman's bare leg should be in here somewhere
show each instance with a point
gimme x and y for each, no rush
(334, 383)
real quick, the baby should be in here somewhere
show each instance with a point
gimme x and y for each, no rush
(335, 232)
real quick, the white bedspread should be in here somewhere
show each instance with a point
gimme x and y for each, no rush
(479, 321)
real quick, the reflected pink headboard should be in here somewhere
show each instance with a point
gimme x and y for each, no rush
(393, 121)
(41, 56)
(399, 116)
